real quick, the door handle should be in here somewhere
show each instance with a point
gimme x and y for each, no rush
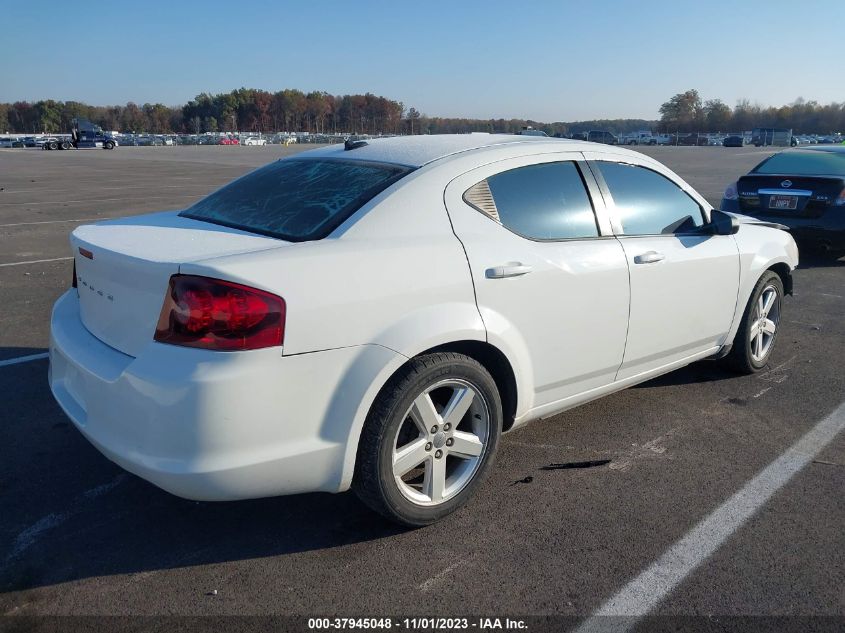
(511, 269)
(649, 257)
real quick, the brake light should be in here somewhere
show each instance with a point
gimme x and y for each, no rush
(220, 315)
(840, 199)
(731, 192)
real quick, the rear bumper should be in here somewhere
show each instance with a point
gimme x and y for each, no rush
(211, 425)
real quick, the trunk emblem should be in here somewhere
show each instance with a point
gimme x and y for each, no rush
(86, 253)
(786, 183)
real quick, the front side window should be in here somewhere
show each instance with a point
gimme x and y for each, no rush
(296, 200)
(648, 203)
(540, 202)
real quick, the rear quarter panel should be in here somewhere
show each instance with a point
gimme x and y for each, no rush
(393, 275)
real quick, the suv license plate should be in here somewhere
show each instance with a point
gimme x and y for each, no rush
(783, 202)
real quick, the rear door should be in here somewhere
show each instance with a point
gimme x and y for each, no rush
(550, 278)
(684, 283)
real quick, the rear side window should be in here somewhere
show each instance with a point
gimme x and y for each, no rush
(541, 202)
(296, 200)
(648, 203)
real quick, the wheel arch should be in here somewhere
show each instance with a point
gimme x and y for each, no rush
(783, 271)
(499, 367)
(781, 266)
(493, 359)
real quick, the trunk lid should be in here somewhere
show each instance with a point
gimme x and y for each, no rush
(123, 268)
(803, 196)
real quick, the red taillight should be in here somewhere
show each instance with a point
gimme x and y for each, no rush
(220, 315)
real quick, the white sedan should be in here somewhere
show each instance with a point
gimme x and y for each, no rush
(252, 140)
(374, 315)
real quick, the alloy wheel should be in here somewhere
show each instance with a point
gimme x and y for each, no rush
(441, 442)
(764, 324)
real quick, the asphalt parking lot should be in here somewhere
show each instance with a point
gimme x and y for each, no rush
(78, 536)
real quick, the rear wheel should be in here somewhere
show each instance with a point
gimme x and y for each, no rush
(429, 439)
(53, 145)
(758, 329)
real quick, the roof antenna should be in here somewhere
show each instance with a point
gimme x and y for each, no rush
(350, 144)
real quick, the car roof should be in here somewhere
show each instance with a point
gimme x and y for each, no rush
(416, 151)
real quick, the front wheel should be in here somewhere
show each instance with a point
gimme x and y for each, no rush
(429, 439)
(758, 329)
(108, 145)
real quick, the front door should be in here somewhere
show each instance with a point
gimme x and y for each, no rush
(684, 281)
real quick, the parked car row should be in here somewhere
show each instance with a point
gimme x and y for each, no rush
(158, 140)
(760, 137)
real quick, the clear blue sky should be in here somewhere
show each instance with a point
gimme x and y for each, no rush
(550, 61)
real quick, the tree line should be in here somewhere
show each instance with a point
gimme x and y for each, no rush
(251, 110)
(687, 112)
(245, 109)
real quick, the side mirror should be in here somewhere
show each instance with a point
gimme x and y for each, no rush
(722, 223)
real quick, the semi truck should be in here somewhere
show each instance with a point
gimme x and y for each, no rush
(84, 135)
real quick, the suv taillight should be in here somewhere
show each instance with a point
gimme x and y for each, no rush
(220, 315)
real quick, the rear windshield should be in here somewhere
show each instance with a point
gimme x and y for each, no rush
(803, 164)
(296, 200)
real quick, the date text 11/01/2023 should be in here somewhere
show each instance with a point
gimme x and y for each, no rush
(418, 624)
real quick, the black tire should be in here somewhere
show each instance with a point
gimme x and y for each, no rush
(374, 481)
(741, 358)
(53, 145)
(65, 145)
(108, 145)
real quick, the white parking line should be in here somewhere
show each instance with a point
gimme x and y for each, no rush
(30, 535)
(23, 359)
(654, 584)
(151, 185)
(54, 222)
(36, 261)
(94, 200)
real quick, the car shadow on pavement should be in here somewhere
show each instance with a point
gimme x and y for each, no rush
(700, 372)
(67, 513)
